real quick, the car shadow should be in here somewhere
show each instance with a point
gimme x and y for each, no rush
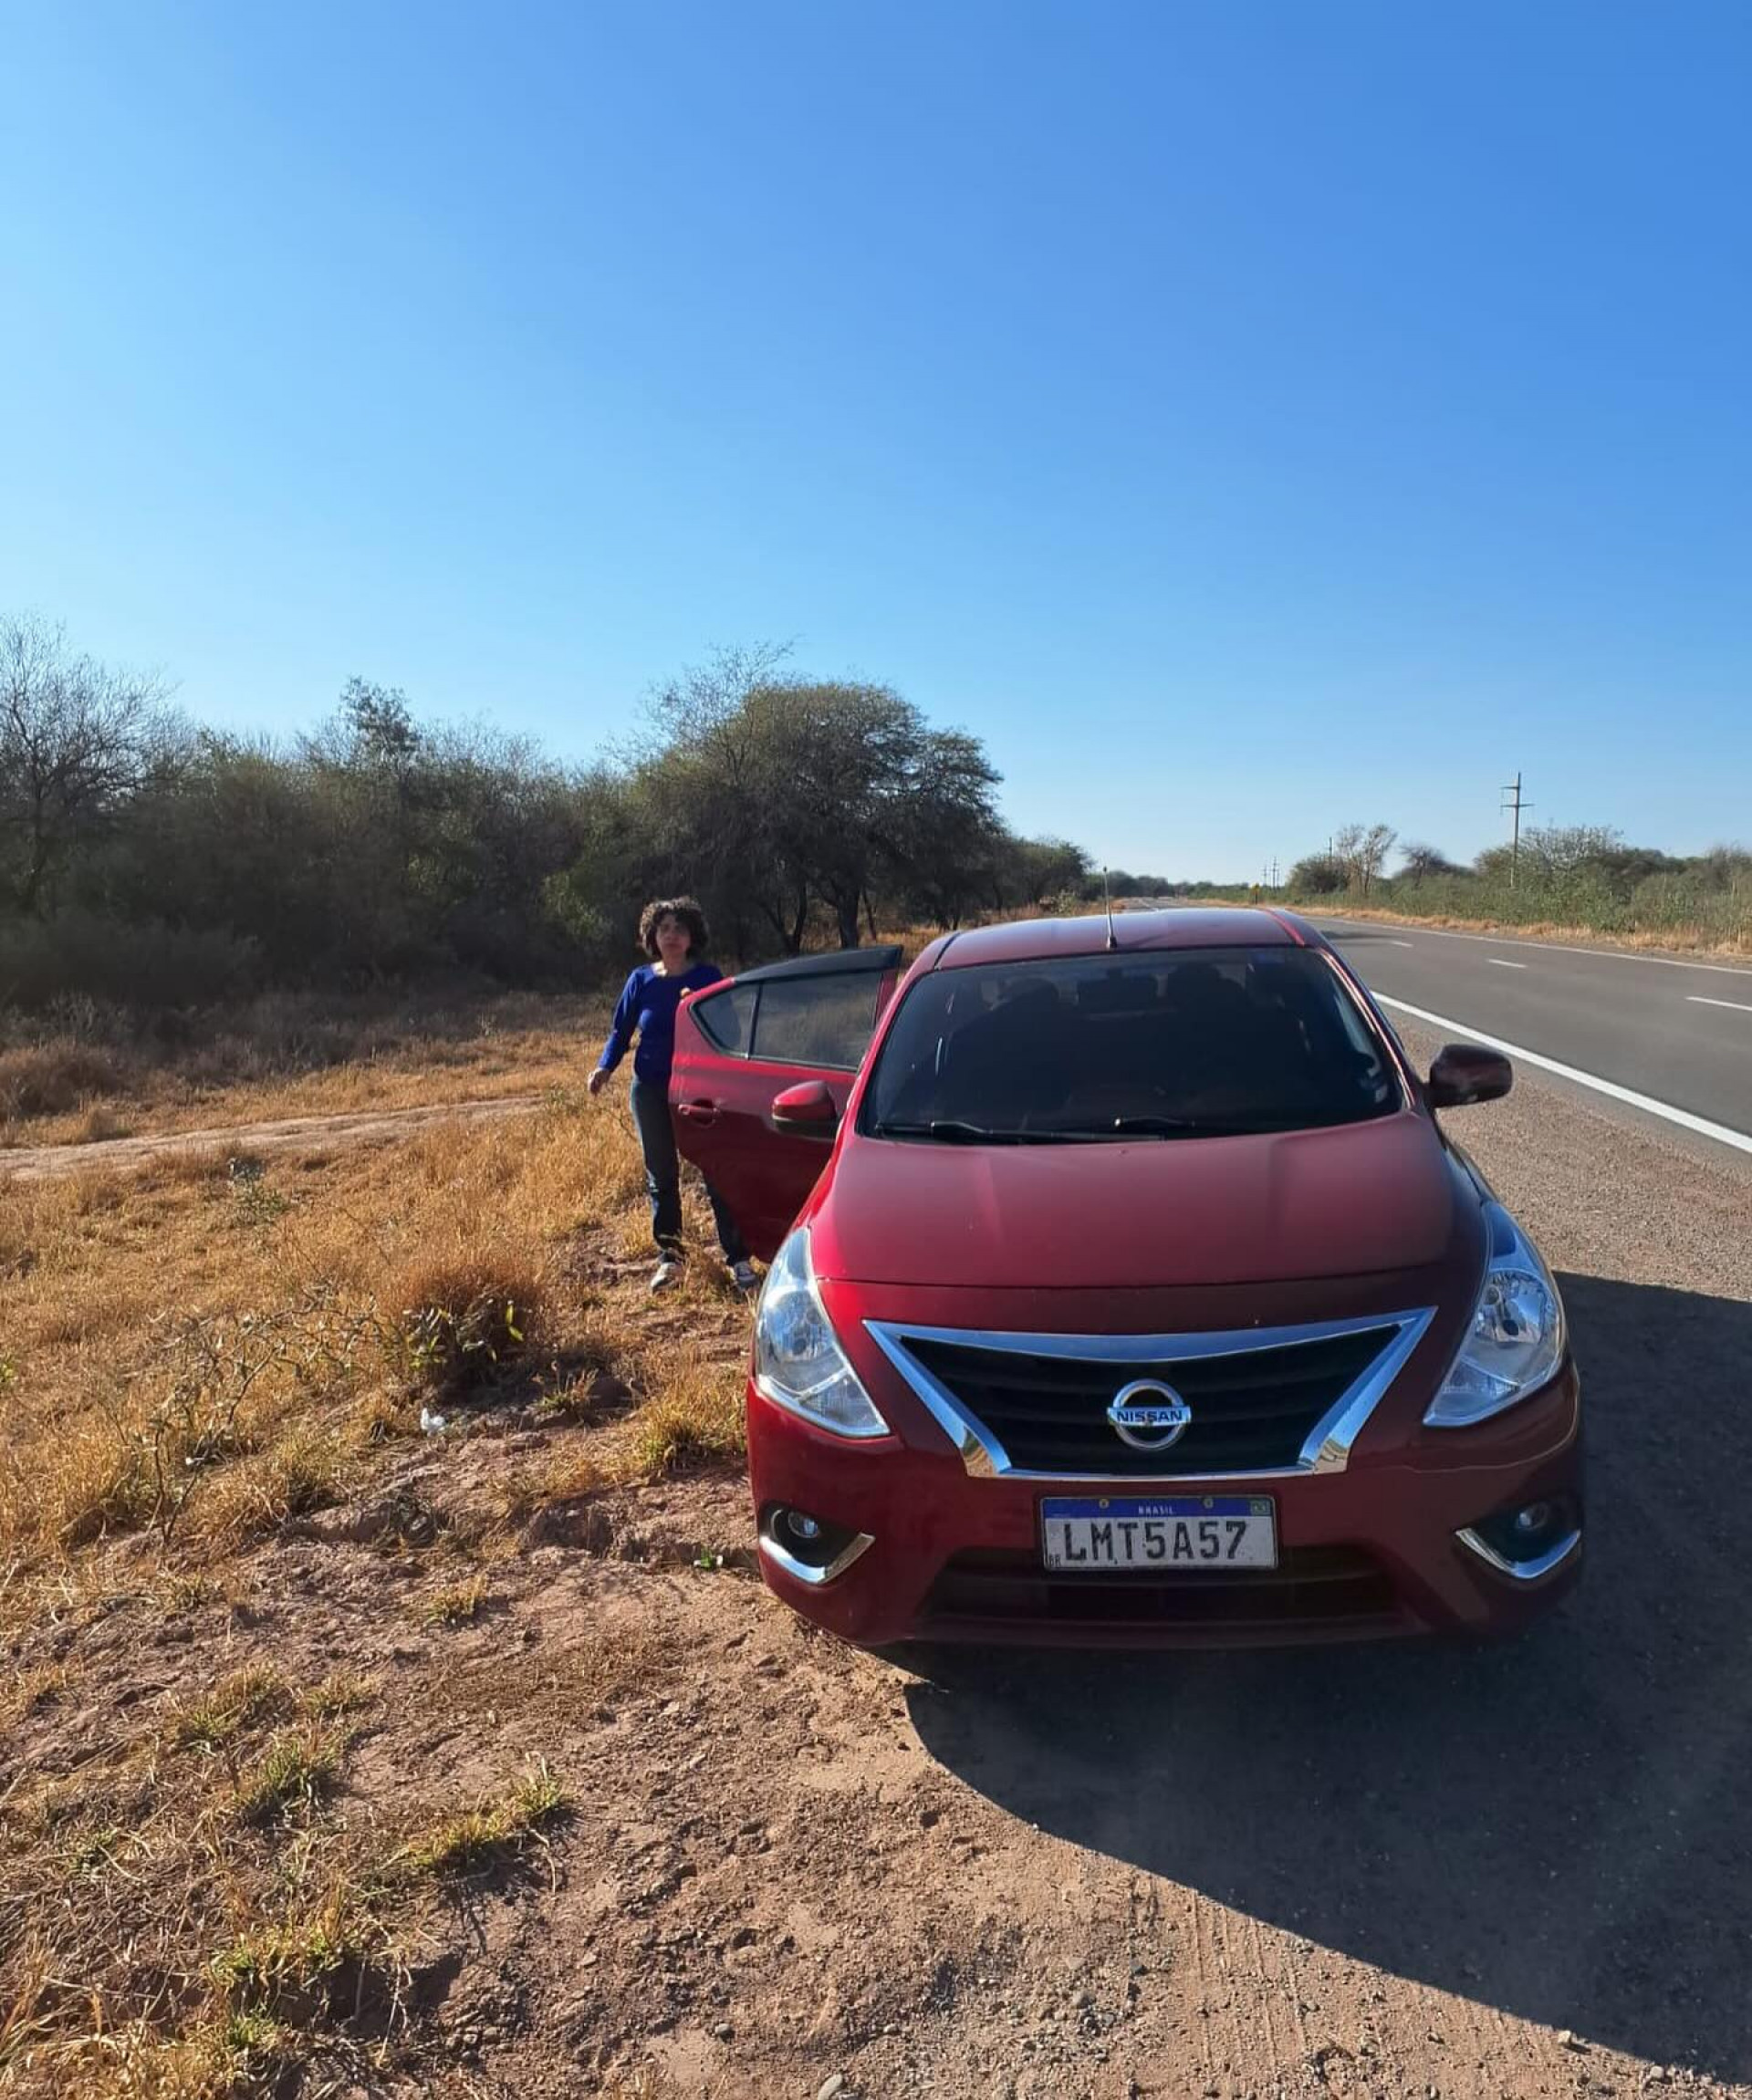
(1559, 1828)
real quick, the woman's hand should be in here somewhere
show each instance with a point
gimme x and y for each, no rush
(598, 1080)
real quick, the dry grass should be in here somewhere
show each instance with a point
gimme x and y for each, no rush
(258, 1971)
(1679, 940)
(57, 1077)
(482, 1835)
(245, 1698)
(203, 1368)
(101, 1073)
(695, 1421)
(195, 1366)
(458, 1603)
(260, 1350)
(465, 1317)
(344, 1692)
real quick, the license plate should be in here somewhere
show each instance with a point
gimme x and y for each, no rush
(1164, 1535)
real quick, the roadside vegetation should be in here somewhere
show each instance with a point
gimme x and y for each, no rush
(149, 862)
(1563, 880)
(199, 928)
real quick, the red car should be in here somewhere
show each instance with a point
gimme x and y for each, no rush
(1125, 1288)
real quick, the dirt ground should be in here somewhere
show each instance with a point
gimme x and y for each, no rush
(790, 1868)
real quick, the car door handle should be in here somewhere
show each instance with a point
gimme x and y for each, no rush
(698, 1111)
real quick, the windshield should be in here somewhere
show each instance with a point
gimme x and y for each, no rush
(1190, 1042)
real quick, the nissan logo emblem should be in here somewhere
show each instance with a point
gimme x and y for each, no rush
(1148, 1415)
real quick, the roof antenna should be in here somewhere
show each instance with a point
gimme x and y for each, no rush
(1107, 894)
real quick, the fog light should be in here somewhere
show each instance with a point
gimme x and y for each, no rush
(802, 1537)
(1527, 1535)
(813, 1549)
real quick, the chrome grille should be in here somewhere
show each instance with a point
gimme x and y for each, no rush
(1278, 1401)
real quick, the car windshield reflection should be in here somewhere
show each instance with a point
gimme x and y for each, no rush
(1165, 1044)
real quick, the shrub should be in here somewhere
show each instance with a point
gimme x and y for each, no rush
(464, 1321)
(103, 958)
(52, 1077)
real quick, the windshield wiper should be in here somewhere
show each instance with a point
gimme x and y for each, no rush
(952, 1131)
(1206, 1126)
(1167, 1127)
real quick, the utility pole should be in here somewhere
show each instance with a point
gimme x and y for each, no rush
(1513, 789)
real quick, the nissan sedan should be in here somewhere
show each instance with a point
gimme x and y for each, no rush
(1125, 1288)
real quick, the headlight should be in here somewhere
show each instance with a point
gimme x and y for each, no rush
(1517, 1338)
(798, 1362)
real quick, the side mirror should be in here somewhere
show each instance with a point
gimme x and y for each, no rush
(806, 1111)
(1463, 1073)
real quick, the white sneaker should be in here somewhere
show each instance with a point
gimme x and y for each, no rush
(667, 1273)
(742, 1274)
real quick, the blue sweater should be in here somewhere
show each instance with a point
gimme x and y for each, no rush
(648, 1003)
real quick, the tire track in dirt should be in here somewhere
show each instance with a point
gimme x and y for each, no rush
(362, 1126)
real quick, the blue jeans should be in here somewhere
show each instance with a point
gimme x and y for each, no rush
(650, 1100)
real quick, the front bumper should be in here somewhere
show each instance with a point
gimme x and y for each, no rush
(1386, 1547)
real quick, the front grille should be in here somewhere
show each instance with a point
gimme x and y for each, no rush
(1311, 1586)
(1252, 1411)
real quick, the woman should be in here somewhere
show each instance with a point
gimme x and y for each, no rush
(673, 932)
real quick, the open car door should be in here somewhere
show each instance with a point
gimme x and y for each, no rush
(740, 1044)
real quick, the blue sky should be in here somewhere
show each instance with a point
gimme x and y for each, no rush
(1246, 416)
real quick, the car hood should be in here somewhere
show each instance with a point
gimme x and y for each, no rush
(1359, 1199)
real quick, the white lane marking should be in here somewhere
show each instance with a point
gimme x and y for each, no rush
(1682, 1117)
(1402, 944)
(1502, 966)
(1733, 1005)
(1569, 948)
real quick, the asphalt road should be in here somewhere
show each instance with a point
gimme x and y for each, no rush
(1677, 1033)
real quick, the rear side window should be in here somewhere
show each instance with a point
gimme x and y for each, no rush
(729, 1017)
(817, 1020)
(825, 1020)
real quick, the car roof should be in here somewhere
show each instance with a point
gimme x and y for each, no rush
(1033, 940)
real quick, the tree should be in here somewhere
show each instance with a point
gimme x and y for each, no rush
(1725, 867)
(379, 723)
(75, 739)
(863, 791)
(771, 796)
(1552, 851)
(1034, 870)
(1320, 875)
(942, 838)
(1362, 851)
(1422, 862)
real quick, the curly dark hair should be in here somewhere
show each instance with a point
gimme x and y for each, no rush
(685, 909)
